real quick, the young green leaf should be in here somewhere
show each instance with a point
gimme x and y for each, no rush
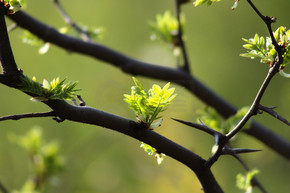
(56, 89)
(243, 182)
(213, 120)
(149, 104)
(46, 160)
(166, 29)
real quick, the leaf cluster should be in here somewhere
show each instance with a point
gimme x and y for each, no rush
(56, 89)
(243, 182)
(212, 119)
(13, 5)
(165, 28)
(262, 48)
(45, 158)
(148, 104)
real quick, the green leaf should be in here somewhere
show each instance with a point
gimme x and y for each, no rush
(208, 2)
(56, 89)
(166, 29)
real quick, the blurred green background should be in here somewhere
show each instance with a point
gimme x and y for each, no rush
(103, 161)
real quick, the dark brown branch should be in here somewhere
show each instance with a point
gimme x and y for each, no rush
(135, 67)
(6, 56)
(28, 115)
(128, 127)
(88, 115)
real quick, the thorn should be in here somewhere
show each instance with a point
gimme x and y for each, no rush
(235, 151)
(82, 102)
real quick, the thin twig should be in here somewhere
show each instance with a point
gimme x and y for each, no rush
(84, 34)
(28, 115)
(274, 69)
(6, 56)
(181, 42)
(268, 21)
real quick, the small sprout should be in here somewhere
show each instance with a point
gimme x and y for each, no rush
(235, 4)
(44, 49)
(284, 74)
(45, 158)
(12, 5)
(165, 28)
(243, 182)
(212, 119)
(151, 151)
(149, 104)
(207, 2)
(53, 90)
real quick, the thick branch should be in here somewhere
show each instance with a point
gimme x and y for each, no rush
(128, 127)
(135, 67)
(6, 56)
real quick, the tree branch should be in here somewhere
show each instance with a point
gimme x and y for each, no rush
(136, 67)
(6, 56)
(29, 115)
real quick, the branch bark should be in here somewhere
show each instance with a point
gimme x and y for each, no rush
(6, 56)
(135, 67)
